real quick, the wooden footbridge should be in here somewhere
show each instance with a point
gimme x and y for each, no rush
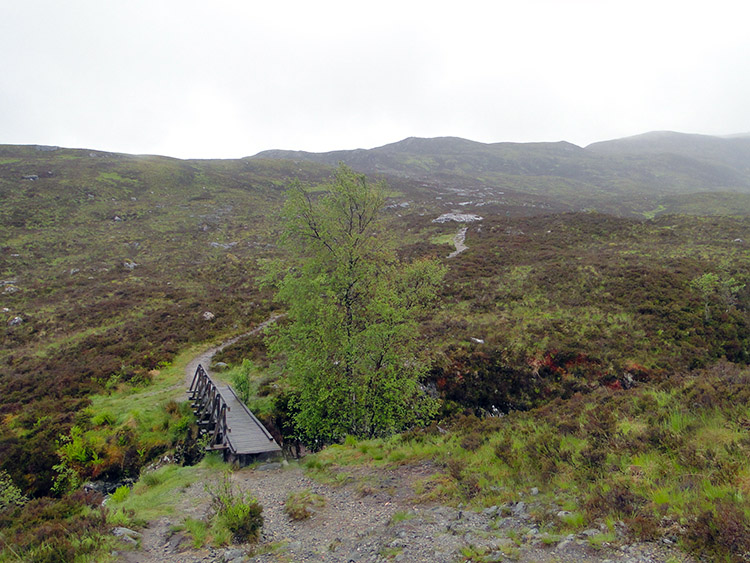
(228, 423)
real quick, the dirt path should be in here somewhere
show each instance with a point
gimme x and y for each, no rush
(459, 241)
(205, 357)
(370, 516)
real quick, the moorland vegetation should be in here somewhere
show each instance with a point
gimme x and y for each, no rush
(598, 357)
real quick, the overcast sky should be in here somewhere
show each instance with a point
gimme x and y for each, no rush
(225, 79)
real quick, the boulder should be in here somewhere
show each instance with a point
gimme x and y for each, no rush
(458, 217)
(122, 532)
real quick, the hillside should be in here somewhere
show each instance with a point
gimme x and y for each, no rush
(115, 268)
(626, 177)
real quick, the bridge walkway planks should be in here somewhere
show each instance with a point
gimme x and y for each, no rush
(229, 423)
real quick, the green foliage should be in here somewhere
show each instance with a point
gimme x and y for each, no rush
(67, 478)
(300, 505)
(566, 304)
(350, 344)
(90, 323)
(717, 288)
(72, 528)
(120, 494)
(239, 513)
(241, 380)
(10, 495)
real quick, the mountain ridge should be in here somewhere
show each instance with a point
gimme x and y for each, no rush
(641, 170)
(632, 176)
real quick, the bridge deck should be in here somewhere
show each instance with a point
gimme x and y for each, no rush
(246, 433)
(231, 425)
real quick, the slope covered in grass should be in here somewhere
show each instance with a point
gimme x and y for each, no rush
(111, 265)
(668, 462)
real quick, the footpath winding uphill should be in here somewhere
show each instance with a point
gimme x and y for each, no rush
(205, 358)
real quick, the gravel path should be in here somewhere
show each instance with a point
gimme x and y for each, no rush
(371, 518)
(459, 241)
(205, 357)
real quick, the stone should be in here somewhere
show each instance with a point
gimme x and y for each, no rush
(208, 316)
(269, 466)
(590, 533)
(95, 486)
(128, 539)
(458, 217)
(519, 509)
(121, 531)
(232, 555)
(534, 491)
(15, 321)
(129, 265)
(563, 545)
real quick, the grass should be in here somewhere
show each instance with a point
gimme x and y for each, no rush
(122, 429)
(301, 505)
(161, 492)
(402, 516)
(639, 456)
(446, 238)
(567, 306)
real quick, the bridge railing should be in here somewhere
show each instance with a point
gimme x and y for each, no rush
(211, 409)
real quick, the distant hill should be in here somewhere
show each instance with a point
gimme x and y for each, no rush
(625, 176)
(733, 151)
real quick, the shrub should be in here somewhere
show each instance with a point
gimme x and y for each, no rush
(55, 530)
(473, 441)
(723, 530)
(243, 518)
(302, 504)
(238, 512)
(121, 493)
(10, 495)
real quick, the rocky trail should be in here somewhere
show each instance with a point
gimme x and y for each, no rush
(459, 241)
(372, 517)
